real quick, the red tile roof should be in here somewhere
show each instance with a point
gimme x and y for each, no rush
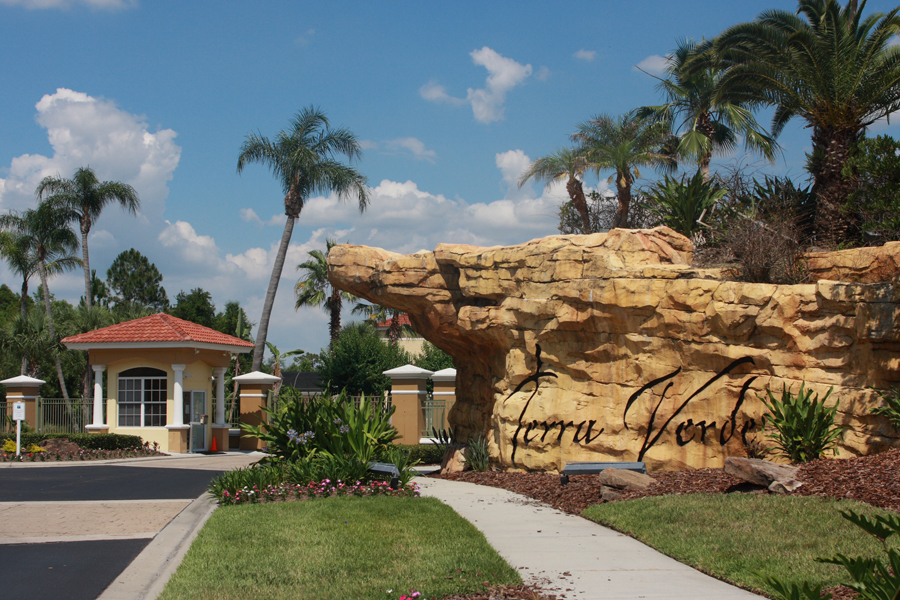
(404, 320)
(156, 328)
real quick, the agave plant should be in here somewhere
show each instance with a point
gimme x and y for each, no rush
(681, 204)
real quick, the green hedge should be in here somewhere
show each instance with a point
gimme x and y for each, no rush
(85, 441)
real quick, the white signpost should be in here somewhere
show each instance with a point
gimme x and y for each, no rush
(18, 416)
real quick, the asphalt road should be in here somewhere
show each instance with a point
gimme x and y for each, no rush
(101, 482)
(81, 570)
(65, 571)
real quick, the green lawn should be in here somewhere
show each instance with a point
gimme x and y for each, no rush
(738, 537)
(338, 548)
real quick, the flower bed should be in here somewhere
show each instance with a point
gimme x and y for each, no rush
(81, 454)
(284, 492)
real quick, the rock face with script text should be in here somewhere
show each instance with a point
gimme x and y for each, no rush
(611, 346)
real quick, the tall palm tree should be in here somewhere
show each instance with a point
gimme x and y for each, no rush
(53, 243)
(568, 164)
(707, 120)
(375, 313)
(314, 289)
(28, 337)
(832, 68)
(624, 144)
(303, 160)
(86, 197)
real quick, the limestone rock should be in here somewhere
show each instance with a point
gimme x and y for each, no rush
(784, 487)
(622, 479)
(609, 494)
(612, 347)
(759, 472)
(454, 460)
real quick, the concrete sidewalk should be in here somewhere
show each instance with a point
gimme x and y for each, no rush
(570, 556)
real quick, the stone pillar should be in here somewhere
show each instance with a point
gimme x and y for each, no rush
(23, 389)
(255, 389)
(98, 426)
(220, 427)
(178, 431)
(407, 396)
(445, 389)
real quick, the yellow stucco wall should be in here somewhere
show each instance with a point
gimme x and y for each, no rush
(198, 375)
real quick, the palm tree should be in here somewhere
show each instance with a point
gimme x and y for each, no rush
(28, 337)
(314, 289)
(708, 120)
(375, 313)
(53, 244)
(830, 67)
(18, 251)
(302, 159)
(86, 197)
(568, 164)
(623, 144)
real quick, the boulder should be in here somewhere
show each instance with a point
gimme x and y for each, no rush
(59, 446)
(784, 487)
(609, 494)
(759, 472)
(454, 460)
(622, 479)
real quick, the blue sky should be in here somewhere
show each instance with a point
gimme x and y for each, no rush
(450, 101)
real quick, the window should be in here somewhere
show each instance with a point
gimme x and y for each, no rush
(142, 398)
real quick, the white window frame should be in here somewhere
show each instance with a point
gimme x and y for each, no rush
(143, 391)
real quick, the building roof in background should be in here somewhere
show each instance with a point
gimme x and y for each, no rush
(156, 330)
(301, 381)
(404, 320)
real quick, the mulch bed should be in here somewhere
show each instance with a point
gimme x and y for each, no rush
(873, 479)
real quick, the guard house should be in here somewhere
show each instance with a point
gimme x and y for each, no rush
(165, 381)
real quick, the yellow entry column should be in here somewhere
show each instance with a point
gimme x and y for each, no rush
(23, 389)
(407, 396)
(255, 389)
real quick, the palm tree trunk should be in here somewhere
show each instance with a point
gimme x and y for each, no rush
(576, 194)
(394, 329)
(833, 224)
(623, 191)
(23, 310)
(87, 266)
(704, 166)
(334, 326)
(62, 380)
(260, 348)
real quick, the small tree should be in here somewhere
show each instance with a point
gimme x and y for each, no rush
(132, 278)
(358, 359)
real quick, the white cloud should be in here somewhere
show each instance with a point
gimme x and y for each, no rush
(512, 164)
(413, 146)
(653, 64)
(88, 131)
(487, 103)
(368, 145)
(248, 215)
(192, 247)
(305, 38)
(100, 238)
(587, 55)
(542, 74)
(65, 4)
(433, 92)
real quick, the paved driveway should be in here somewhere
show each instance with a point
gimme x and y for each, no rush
(67, 532)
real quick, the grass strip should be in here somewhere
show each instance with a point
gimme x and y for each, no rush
(741, 537)
(337, 548)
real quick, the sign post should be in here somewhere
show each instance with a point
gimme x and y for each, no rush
(18, 417)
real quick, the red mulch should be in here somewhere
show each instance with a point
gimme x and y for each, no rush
(873, 479)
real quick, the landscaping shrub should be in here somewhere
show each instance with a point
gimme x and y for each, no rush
(891, 408)
(870, 578)
(477, 455)
(86, 441)
(321, 424)
(804, 426)
(679, 204)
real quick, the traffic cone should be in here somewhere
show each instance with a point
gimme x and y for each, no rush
(214, 447)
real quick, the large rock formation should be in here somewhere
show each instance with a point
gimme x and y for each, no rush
(612, 347)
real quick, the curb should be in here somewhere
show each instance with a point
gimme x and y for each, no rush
(148, 573)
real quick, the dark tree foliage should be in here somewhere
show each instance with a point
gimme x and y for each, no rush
(232, 319)
(432, 358)
(132, 278)
(874, 169)
(357, 361)
(9, 303)
(196, 307)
